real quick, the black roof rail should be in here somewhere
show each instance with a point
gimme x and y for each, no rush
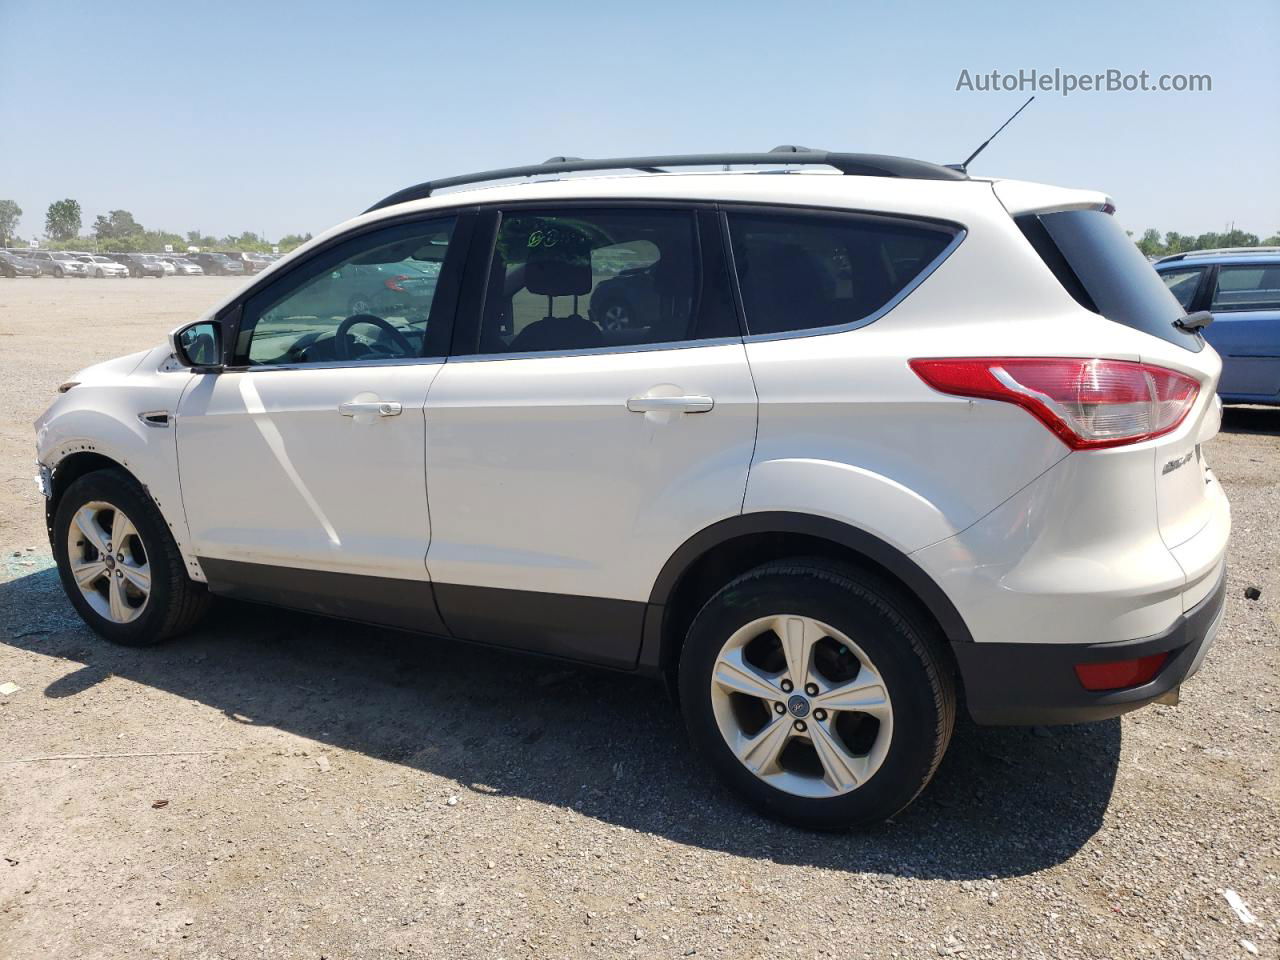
(852, 164)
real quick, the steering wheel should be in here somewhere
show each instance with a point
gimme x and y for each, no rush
(342, 339)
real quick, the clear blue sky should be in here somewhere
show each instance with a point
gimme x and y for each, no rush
(280, 117)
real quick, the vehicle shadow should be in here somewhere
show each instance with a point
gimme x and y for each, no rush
(1006, 801)
(1251, 420)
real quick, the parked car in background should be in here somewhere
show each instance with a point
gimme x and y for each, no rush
(620, 299)
(402, 289)
(183, 267)
(55, 263)
(219, 264)
(12, 265)
(253, 262)
(168, 268)
(1241, 288)
(100, 266)
(140, 265)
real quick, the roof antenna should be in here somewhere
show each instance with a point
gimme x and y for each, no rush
(964, 167)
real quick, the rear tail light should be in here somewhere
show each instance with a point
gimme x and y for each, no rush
(1089, 404)
(393, 283)
(1118, 674)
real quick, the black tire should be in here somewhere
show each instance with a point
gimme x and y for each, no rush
(176, 603)
(58, 272)
(905, 648)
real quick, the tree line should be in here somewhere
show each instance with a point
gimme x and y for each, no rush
(118, 232)
(1155, 244)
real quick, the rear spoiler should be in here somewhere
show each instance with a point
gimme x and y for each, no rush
(1022, 196)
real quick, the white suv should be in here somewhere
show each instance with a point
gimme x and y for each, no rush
(868, 439)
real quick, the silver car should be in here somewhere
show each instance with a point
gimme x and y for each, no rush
(59, 264)
(184, 267)
(99, 266)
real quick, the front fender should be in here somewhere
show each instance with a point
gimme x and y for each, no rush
(102, 418)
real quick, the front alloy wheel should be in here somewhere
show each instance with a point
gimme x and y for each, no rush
(119, 564)
(109, 562)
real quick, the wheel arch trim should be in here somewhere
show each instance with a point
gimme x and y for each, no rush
(163, 492)
(856, 540)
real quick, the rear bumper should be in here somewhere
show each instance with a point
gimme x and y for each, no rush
(1036, 683)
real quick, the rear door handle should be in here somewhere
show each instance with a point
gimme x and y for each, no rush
(664, 404)
(379, 408)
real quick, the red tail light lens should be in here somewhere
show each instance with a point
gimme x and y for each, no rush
(393, 283)
(1118, 674)
(1088, 403)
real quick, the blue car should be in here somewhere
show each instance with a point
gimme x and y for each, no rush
(1241, 288)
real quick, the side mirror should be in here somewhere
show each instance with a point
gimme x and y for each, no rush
(199, 346)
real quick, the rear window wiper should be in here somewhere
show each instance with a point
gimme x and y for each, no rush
(1194, 322)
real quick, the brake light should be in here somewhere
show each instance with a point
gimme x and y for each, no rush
(393, 283)
(1088, 403)
(1118, 674)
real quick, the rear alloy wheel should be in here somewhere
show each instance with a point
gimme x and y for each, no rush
(118, 562)
(818, 692)
(801, 706)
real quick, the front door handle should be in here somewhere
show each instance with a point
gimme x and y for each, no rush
(379, 408)
(674, 404)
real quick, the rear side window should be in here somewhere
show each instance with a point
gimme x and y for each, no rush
(1247, 288)
(1097, 263)
(800, 271)
(600, 279)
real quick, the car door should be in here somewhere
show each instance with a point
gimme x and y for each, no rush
(569, 458)
(302, 463)
(1246, 329)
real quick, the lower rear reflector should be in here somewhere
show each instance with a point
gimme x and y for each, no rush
(1118, 674)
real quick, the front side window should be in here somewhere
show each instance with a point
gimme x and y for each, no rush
(1183, 283)
(1247, 287)
(369, 299)
(802, 271)
(598, 279)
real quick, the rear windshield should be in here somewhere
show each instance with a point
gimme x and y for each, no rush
(1094, 259)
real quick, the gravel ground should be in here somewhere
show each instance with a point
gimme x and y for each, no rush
(280, 786)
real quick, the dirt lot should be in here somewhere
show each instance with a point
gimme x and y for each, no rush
(280, 786)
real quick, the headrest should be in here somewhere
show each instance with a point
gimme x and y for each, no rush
(558, 278)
